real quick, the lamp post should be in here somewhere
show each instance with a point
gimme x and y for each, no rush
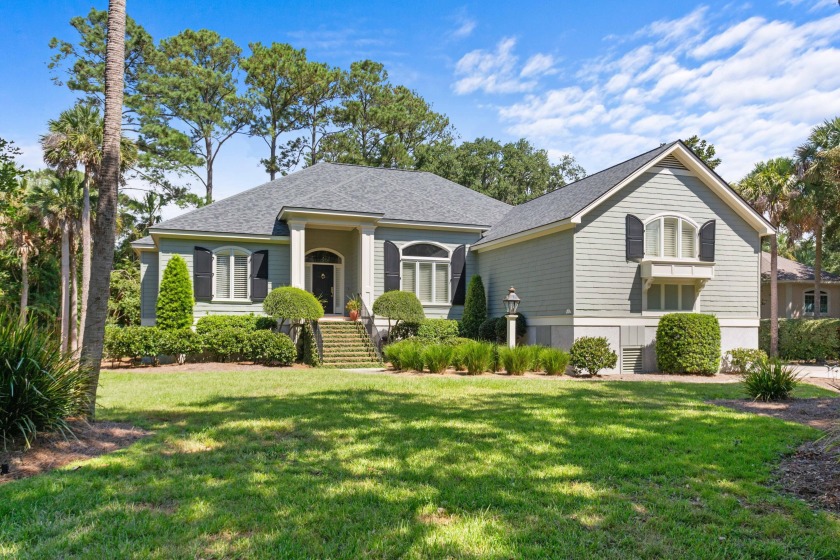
(511, 305)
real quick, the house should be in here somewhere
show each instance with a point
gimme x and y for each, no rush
(796, 290)
(606, 255)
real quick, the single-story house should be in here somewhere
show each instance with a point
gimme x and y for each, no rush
(606, 255)
(796, 290)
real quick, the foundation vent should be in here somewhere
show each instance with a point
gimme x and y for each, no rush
(631, 359)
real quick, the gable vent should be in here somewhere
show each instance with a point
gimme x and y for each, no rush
(672, 162)
(631, 359)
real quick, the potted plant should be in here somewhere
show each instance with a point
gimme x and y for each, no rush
(354, 304)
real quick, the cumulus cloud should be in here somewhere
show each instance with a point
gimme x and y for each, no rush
(496, 71)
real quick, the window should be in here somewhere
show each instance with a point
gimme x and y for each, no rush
(324, 257)
(670, 237)
(425, 271)
(809, 302)
(232, 270)
(671, 297)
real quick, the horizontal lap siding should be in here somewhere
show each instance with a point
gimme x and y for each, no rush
(541, 271)
(278, 270)
(607, 285)
(404, 236)
(148, 284)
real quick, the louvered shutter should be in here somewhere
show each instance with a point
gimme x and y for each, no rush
(259, 275)
(707, 241)
(458, 273)
(635, 238)
(202, 273)
(392, 267)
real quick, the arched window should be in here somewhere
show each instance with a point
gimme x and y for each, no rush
(425, 271)
(323, 257)
(232, 269)
(809, 302)
(670, 237)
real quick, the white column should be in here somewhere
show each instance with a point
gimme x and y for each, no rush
(511, 330)
(366, 273)
(297, 248)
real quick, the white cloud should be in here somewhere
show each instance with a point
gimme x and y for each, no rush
(537, 65)
(496, 71)
(465, 28)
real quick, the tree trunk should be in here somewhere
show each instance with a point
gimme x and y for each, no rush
(818, 242)
(774, 297)
(65, 286)
(105, 230)
(272, 161)
(73, 339)
(313, 152)
(24, 285)
(208, 144)
(85, 248)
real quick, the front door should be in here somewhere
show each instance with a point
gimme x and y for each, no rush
(323, 285)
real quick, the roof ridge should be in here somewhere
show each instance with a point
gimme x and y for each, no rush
(372, 167)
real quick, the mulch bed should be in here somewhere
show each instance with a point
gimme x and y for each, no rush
(812, 472)
(52, 451)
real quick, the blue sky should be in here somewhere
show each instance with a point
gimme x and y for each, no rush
(600, 80)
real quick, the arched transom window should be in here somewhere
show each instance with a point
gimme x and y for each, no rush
(425, 271)
(232, 271)
(670, 237)
(323, 257)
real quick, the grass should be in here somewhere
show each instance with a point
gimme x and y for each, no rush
(325, 464)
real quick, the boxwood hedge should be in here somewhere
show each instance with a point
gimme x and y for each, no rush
(688, 343)
(804, 339)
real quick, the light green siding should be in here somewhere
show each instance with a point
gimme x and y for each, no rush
(278, 270)
(607, 285)
(148, 284)
(404, 236)
(541, 271)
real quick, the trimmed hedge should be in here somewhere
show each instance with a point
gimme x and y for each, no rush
(688, 343)
(438, 330)
(174, 309)
(249, 322)
(804, 339)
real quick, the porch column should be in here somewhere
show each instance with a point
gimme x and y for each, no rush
(366, 264)
(297, 248)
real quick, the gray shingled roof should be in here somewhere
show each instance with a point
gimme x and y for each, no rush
(569, 200)
(144, 241)
(395, 194)
(792, 271)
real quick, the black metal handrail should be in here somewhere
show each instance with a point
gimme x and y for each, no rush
(367, 319)
(319, 340)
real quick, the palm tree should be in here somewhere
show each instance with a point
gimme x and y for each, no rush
(17, 231)
(769, 188)
(818, 170)
(106, 211)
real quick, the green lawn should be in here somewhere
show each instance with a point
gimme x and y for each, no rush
(324, 464)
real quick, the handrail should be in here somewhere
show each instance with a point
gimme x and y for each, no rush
(369, 324)
(319, 340)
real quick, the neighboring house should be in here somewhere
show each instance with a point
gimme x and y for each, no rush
(606, 255)
(796, 290)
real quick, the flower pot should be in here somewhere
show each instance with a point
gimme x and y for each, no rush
(354, 315)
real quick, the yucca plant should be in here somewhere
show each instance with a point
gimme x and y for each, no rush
(517, 360)
(437, 357)
(477, 357)
(771, 381)
(554, 361)
(40, 387)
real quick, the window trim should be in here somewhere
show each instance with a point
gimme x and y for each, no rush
(646, 311)
(232, 250)
(435, 261)
(680, 219)
(811, 293)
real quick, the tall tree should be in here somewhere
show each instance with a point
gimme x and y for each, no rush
(770, 188)
(704, 150)
(314, 114)
(106, 215)
(193, 86)
(821, 186)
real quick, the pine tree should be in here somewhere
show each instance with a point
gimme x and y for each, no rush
(175, 300)
(475, 308)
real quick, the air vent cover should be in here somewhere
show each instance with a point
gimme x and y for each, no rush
(631, 359)
(671, 162)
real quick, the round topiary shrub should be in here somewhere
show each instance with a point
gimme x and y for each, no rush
(293, 305)
(591, 354)
(175, 297)
(398, 307)
(475, 308)
(688, 343)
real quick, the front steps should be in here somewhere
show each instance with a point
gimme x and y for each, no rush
(346, 345)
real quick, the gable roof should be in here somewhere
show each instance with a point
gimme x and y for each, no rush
(570, 202)
(792, 271)
(391, 194)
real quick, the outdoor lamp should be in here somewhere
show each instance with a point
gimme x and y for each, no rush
(511, 305)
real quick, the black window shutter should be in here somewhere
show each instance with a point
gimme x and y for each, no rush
(458, 275)
(392, 267)
(707, 241)
(202, 273)
(259, 275)
(635, 238)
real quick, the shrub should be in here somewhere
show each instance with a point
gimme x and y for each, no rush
(227, 344)
(517, 360)
(308, 346)
(742, 360)
(438, 330)
(487, 330)
(495, 329)
(248, 322)
(688, 343)
(554, 361)
(477, 357)
(293, 305)
(437, 357)
(457, 358)
(404, 330)
(124, 302)
(180, 343)
(393, 353)
(534, 352)
(267, 347)
(113, 347)
(141, 342)
(475, 308)
(592, 354)
(412, 356)
(40, 387)
(175, 297)
(398, 307)
(804, 339)
(771, 381)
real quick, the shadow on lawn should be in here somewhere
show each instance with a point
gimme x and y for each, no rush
(609, 471)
